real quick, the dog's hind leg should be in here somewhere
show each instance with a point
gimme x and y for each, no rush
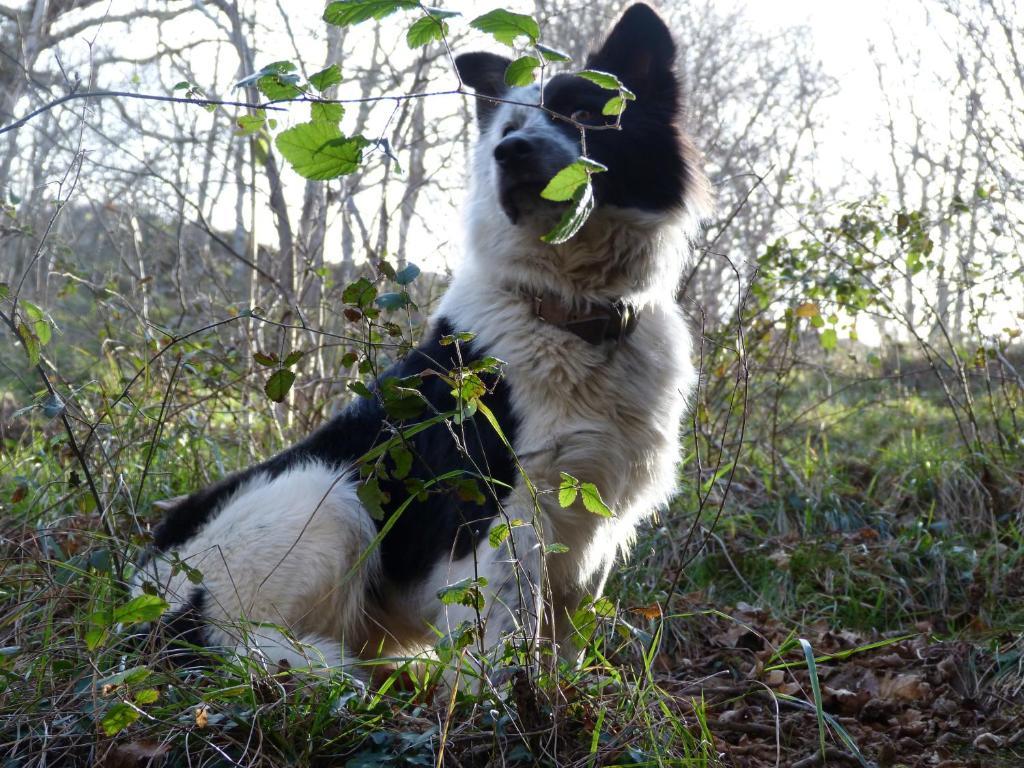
(284, 568)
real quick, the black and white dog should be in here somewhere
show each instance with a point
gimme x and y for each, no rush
(596, 377)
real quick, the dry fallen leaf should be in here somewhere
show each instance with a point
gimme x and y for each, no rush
(202, 716)
(135, 754)
(652, 611)
(906, 687)
(780, 558)
(844, 701)
(987, 742)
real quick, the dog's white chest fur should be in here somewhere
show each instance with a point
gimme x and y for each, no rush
(606, 414)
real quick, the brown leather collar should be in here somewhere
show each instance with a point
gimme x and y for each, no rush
(594, 323)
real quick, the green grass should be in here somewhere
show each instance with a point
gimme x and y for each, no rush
(871, 518)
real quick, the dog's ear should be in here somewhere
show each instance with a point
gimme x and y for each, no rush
(485, 74)
(640, 50)
(166, 505)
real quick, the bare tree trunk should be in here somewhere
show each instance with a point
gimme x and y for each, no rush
(286, 244)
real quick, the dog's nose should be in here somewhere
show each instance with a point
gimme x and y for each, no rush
(512, 149)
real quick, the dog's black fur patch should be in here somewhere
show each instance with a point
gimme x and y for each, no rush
(485, 74)
(429, 527)
(186, 626)
(650, 162)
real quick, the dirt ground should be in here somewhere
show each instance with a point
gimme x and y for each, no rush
(915, 702)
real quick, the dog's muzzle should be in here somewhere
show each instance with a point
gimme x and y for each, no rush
(525, 165)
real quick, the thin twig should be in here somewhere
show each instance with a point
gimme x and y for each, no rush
(129, 95)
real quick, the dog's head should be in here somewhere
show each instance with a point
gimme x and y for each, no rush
(652, 168)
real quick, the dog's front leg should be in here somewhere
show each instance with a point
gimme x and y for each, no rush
(492, 604)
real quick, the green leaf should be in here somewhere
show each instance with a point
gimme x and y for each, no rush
(318, 150)
(292, 358)
(139, 609)
(592, 500)
(407, 274)
(615, 106)
(325, 78)
(360, 388)
(487, 365)
(130, 676)
(553, 54)
(135, 675)
(402, 457)
(147, 696)
(464, 592)
(250, 124)
(461, 336)
(5, 291)
(278, 384)
(279, 86)
(342, 13)
(118, 717)
(498, 534)
(401, 402)
(361, 293)
(267, 361)
(828, 339)
(572, 183)
(274, 68)
(325, 112)
(567, 489)
(520, 71)
(372, 497)
(429, 28)
(506, 26)
(467, 396)
(468, 489)
(603, 607)
(606, 80)
(501, 532)
(574, 218)
(556, 549)
(568, 180)
(30, 342)
(39, 323)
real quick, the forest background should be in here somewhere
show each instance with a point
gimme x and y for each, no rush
(841, 578)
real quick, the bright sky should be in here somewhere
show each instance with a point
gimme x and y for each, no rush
(841, 34)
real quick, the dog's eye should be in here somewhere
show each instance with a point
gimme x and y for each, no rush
(507, 130)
